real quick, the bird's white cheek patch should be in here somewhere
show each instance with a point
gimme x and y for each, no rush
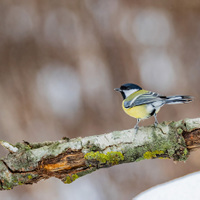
(129, 92)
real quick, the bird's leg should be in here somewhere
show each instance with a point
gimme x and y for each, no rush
(156, 121)
(136, 126)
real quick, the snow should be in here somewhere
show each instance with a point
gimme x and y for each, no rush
(183, 188)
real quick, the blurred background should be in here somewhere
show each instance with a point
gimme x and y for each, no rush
(59, 63)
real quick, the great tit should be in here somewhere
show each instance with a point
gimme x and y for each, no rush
(142, 104)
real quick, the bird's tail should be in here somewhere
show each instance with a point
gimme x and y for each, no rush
(178, 99)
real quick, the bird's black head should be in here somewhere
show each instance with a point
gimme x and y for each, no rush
(130, 86)
(128, 89)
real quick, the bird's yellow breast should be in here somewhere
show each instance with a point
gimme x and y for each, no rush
(137, 111)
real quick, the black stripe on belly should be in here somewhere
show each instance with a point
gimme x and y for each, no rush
(153, 112)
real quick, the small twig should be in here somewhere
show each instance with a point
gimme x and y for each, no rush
(9, 146)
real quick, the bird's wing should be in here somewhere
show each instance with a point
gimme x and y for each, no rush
(147, 98)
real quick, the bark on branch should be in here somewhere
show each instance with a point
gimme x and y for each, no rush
(69, 159)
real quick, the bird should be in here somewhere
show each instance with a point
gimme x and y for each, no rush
(142, 104)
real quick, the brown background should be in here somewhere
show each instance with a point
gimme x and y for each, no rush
(59, 63)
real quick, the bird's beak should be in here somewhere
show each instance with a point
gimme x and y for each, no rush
(118, 89)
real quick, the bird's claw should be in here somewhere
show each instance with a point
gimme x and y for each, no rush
(155, 124)
(136, 128)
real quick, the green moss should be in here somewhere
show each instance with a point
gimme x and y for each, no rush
(30, 177)
(74, 177)
(7, 185)
(139, 159)
(163, 158)
(54, 145)
(129, 154)
(135, 154)
(23, 146)
(149, 154)
(88, 171)
(171, 145)
(179, 131)
(172, 124)
(112, 157)
(68, 180)
(94, 148)
(185, 151)
(174, 145)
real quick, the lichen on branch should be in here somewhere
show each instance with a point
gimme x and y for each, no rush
(68, 160)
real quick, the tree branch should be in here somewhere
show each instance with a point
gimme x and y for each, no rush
(69, 159)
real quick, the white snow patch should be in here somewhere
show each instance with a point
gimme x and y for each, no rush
(183, 188)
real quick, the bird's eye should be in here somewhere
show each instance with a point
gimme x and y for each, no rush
(123, 88)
